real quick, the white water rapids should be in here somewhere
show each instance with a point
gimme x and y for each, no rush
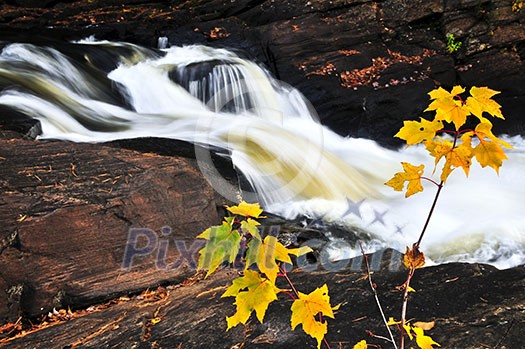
(213, 97)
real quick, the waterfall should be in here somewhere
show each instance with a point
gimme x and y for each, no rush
(216, 98)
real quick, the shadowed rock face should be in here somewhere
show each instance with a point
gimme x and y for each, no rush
(365, 65)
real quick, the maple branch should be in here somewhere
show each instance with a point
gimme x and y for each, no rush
(455, 140)
(290, 294)
(430, 180)
(412, 270)
(404, 306)
(458, 97)
(466, 130)
(392, 340)
(440, 186)
(285, 275)
(505, 334)
(448, 131)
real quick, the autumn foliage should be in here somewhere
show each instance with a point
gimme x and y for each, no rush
(457, 146)
(453, 145)
(265, 259)
(447, 139)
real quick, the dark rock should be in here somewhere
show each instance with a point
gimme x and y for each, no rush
(473, 306)
(21, 125)
(365, 65)
(505, 79)
(400, 12)
(68, 210)
(33, 3)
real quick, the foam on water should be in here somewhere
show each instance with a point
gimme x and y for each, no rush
(298, 167)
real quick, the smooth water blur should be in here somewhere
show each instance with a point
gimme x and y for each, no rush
(213, 97)
(477, 219)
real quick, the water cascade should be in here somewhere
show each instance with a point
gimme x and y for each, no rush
(215, 98)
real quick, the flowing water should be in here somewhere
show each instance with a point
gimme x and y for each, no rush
(96, 91)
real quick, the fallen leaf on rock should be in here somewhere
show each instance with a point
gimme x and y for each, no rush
(425, 325)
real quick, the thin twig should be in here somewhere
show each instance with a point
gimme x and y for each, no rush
(505, 334)
(392, 340)
(430, 180)
(285, 275)
(440, 186)
(378, 336)
(405, 304)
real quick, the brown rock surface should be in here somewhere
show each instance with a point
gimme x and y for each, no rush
(67, 209)
(473, 306)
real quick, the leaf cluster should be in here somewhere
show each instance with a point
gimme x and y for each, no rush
(417, 332)
(413, 332)
(446, 138)
(264, 260)
(464, 145)
(517, 5)
(454, 145)
(452, 44)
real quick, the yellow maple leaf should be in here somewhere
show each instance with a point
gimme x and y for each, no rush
(455, 156)
(413, 258)
(480, 101)
(425, 325)
(459, 156)
(422, 340)
(265, 254)
(448, 108)
(305, 309)
(257, 295)
(392, 322)
(484, 130)
(411, 174)
(361, 345)
(246, 209)
(408, 329)
(489, 151)
(414, 132)
(438, 147)
(490, 154)
(299, 251)
(250, 226)
(441, 93)
(222, 246)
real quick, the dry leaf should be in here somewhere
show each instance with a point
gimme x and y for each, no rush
(414, 258)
